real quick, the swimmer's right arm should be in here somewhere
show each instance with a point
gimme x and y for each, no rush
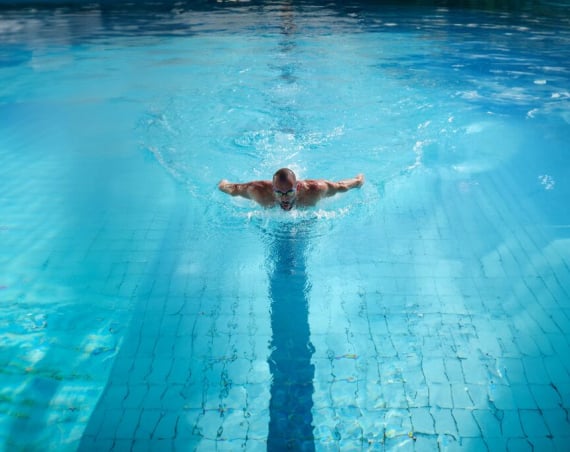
(259, 191)
(234, 189)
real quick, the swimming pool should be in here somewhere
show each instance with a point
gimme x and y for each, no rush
(140, 308)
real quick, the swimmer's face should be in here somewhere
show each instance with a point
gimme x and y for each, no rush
(285, 194)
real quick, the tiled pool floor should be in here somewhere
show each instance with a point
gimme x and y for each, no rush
(438, 314)
(459, 352)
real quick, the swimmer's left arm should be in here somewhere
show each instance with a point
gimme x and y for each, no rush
(332, 188)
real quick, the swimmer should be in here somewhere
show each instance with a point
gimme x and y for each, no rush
(286, 191)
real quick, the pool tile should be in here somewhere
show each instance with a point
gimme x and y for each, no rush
(107, 423)
(514, 370)
(151, 445)
(445, 423)
(542, 443)
(417, 396)
(466, 424)
(481, 395)
(425, 443)
(160, 370)
(454, 371)
(546, 396)
(122, 444)
(96, 444)
(434, 370)
(557, 371)
(523, 397)
(210, 424)
(490, 424)
(399, 442)
(127, 427)
(147, 424)
(473, 443)
(422, 421)
(474, 370)
(561, 346)
(557, 423)
(187, 431)
(489, 344)
(461, 396)
(440, 395)
(117, 392)
(522, 444)
(224, 445)
(511, 426)
(533, 423)
(135, 396)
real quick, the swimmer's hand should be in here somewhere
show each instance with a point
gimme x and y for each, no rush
(225, 186)
(359, 180)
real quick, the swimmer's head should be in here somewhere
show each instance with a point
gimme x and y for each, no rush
(285, 188)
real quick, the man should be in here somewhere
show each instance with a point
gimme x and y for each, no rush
(286, 191)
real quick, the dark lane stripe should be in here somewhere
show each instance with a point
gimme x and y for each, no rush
(291, 419)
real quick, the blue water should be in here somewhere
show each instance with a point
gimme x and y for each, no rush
(141, 308)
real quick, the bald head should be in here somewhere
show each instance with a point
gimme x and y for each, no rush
(284, 176)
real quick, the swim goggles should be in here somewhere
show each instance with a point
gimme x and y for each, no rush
(287, 193)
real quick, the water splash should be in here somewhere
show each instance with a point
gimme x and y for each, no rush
(547, 181)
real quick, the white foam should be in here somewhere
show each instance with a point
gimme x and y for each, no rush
(295, 215)
(547, 181)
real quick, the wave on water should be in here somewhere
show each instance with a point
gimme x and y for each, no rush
(300, 223)
(295, 216)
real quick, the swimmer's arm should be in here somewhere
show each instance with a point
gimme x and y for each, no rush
(259, 191)
(234, 189)
(332, 188)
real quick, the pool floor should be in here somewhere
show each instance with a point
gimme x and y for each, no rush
(427, 356)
